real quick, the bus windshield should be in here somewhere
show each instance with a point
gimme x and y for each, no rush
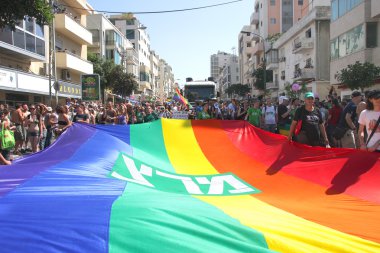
(199, 92)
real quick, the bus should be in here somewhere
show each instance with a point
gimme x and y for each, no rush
(199, 90)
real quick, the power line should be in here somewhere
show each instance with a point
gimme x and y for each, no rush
(159, 12)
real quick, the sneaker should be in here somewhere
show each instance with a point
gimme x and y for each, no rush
(23, 151)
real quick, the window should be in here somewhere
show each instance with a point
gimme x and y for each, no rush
(19, 38)
(272, 2)
(6, 35)
(300, 2)
(249, 44)
(29, 24)
(309, 63)
(130, 34)
(334, 49)
(39, 30)
(308, 33)
(30, 43)
(40, 47)
(130, 21)
(334, 10)
(272, 20)
(371, 35)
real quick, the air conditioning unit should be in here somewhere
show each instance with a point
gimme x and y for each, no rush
(66, 74)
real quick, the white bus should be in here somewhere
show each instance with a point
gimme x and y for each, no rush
(199, 90)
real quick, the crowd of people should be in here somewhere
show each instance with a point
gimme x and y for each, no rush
(333, 122)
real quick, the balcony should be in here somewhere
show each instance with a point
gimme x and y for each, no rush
(304, 74)
(67, 60)
(255, 19)
(272, 65)
(272, 85)
(302, 45)
(72, 29)
(258, 48)
(144, 85)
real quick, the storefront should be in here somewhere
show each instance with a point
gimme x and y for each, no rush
(21, 87)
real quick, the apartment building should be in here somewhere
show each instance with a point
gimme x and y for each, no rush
(270, 17)
(229, 75)
(154, 65)
(131, 27)
(301, 54)
(354, 35)
(24, 56)
(218, 62)
(71, 41)
(165, 80)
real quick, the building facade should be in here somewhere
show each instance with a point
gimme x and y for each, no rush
(270, 18)
(24, 56)
(301, 54)
(134, 31)
(354, 35)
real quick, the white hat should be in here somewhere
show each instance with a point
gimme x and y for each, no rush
(282, 98)
(49, 109)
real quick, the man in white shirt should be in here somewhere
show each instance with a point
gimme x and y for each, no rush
(269, 114)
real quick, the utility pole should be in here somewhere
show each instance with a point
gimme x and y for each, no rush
(52, 59)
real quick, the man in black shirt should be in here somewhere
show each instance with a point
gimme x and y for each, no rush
(347, 121)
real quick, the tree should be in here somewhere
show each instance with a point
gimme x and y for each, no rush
(358, 75)
(122, 83)
(11, 11)
(104, 69)
(239, 89)
(258, 74)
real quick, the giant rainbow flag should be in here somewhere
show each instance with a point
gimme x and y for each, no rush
(189, 186)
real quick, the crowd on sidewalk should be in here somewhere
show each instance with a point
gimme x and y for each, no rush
(331, 122)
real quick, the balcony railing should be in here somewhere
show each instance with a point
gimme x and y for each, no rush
(304, 74)
(302, 45)
(68, 60)
(272, 85)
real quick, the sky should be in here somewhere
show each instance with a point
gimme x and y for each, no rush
(186, 40)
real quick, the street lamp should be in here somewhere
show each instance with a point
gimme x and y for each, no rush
(265, 58)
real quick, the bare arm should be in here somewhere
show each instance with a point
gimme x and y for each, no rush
(349, 121)
(291, 130)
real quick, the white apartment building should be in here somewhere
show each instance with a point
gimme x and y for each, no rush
(302, 54)
(24, 56)
(218, 63)
(154, 65)
(229, 75)
(137, 34)
(354, 36)
(166, 81)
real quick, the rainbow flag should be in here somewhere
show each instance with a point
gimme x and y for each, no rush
(179, 98)
(189, 186)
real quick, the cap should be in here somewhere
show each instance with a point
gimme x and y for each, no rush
(309, 95)
(356, 94)
(49, 109)
(374, 94)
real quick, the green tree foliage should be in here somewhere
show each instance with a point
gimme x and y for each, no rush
(358, 75)
(11, 11)
(239, 89)
(258, 74)
(122, 83)
(104, 69)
